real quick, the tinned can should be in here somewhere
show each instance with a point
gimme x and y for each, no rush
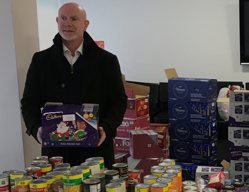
(101, 177)
(38, 185)
(50, 179)
(62, 169)
(158, 172)
(179, 177)
(167, 181)
(110, 175)
(142, 187)
(34, 172)
(72, 181)
(134, 176)
(22, 184)
(171, 161)
(38, 163)
(46, 169)
(165, 165)
(14, 175)
(57, 174)
(122, 168)
(4, 180)
(150, 179)
(156, 167)
(92, 185)
(4, 189)
(159, 187)
(189, 188)
(100, 160)
(94, 166)
(44, 158)
(55, 160)
(122, 182)
(60, 165)
(174, 177)
(209, 190)
(188, 183)
(85, 170)
(113, 187)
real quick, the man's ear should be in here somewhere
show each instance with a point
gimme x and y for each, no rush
(86, 24)
(57, 19)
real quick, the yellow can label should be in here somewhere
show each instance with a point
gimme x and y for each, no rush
(102, 170)
(46, 169)
(23, 183)
(111, 189)
(101, 161)
(72, 177)
(169, 184)
(142, 190)
(165, 189)
(15, 176)
(57, 177)
(173, 163)
(179, 174)
(50, 181)
(38, 186)
(86, 171)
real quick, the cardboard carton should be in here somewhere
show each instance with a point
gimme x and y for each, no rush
(194, 132)
(121, 157)
(238, 139)
(243, 177)
(239, 166)
(138, 100)
(188, 171)
(204, 154)
(239, 155)
(121, 145)
(70, 125)
(144, 165)
(183, 111)
(143, 144)
(190, 89)
(132, 124)
(203, 172)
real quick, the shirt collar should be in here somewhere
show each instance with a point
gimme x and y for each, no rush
(80, 48)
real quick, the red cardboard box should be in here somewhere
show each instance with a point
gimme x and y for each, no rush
(144, 165)
(163, 133)
(166, 153)
(121, 157)
(138, 100)
(132, 124)
(142, 146)
(121, 145)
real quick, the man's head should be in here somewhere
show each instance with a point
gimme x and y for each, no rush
(72, 22)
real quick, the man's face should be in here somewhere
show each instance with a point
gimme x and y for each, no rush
(71, 22)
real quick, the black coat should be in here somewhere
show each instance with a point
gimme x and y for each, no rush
(101, 84)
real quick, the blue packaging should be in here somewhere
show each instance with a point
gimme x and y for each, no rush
(204, 109)
(188, 171)
(199, 128)
(198, 148)
(183, 152)
(192, 89)
(193, 146)
(198, 108)
(205, 150)
(192, 105)
(188, 132)
(183, 112)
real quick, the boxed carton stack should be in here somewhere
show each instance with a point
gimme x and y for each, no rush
(192, 115)
(136, 117)
(238, 135)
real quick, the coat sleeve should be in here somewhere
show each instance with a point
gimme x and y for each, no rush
(31, 103)
(117, 99)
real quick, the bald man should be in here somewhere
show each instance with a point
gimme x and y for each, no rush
(74, 70)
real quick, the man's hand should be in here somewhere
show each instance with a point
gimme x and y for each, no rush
(102, 135)
(39, 135)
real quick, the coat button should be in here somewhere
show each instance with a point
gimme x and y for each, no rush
(62, 85)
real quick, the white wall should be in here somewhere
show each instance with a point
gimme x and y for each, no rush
(26, 44)
(11, 149)
(199, 38)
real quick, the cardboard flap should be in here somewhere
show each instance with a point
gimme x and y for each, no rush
(53, 103)
(223, 100)
(140, 89)
(241, 91)
(170, 73)
(226, 165)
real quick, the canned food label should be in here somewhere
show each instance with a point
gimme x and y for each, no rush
(158, 174)
(173, 163)
(12, 177)
(86, 175)
(115, 177)
(93, 188)
(149, 181)
(57, 177)
(38, 186)
(102, 170)
(50, 181)
(4, 189)
(142, 190)
(123, 187)
(95, 169)
(169, 184)
(179, 174)
(112, 190)
(101, 165)
(22, 183)
(165, 189)
(46, 169)
(86, 171)
(4, 182)
(72, 182)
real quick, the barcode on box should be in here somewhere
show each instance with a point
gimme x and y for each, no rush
(88, 108)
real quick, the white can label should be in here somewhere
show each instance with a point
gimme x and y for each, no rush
(4, 182)
(94, 188)
(115, 177)
(95, 169)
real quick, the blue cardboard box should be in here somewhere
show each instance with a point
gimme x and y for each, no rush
(188, 171)
(184, 111)
(204, 154)
(192, 89)
(194, 132)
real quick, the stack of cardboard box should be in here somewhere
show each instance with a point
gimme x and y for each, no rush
(192, 115)
(238, 135)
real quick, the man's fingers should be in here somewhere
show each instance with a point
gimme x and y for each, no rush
(102, 135)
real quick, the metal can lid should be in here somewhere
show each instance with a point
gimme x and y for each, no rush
(47, 165)
(8, 172)
(91, 181)
(209, 190)
(18, 172)
(192, 188)
(92, 163)
(111, 172)
(94, 159)
(63, 169)
(2, 176)
(190, 191)
(237, 184)
(150, 177)
(142, 186)
(25, 178)
(164, 180)
(158, 171)
(227, 187)
(85, 164)
(169, 175)
(47, 177)
(39, 161)
(119, 180)
(55, 173)
(72, 173)
(159, 185)
(163, 164)
(38, 181)
(32, 169)
(134, 171)
(157, 167)
(120, 165)
(113, 185)
(97, 176)
(173, 171)
(56, 158)
(189, 183)
(41, 158)
(59, 165)
(168, 160)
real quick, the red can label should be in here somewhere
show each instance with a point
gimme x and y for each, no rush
(38, 190)
(35, 174)
(53, 162)
(5, 189)
(134, 177)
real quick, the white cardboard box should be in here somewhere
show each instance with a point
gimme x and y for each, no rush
(239, 166)
(204, 172)
(240, 175)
